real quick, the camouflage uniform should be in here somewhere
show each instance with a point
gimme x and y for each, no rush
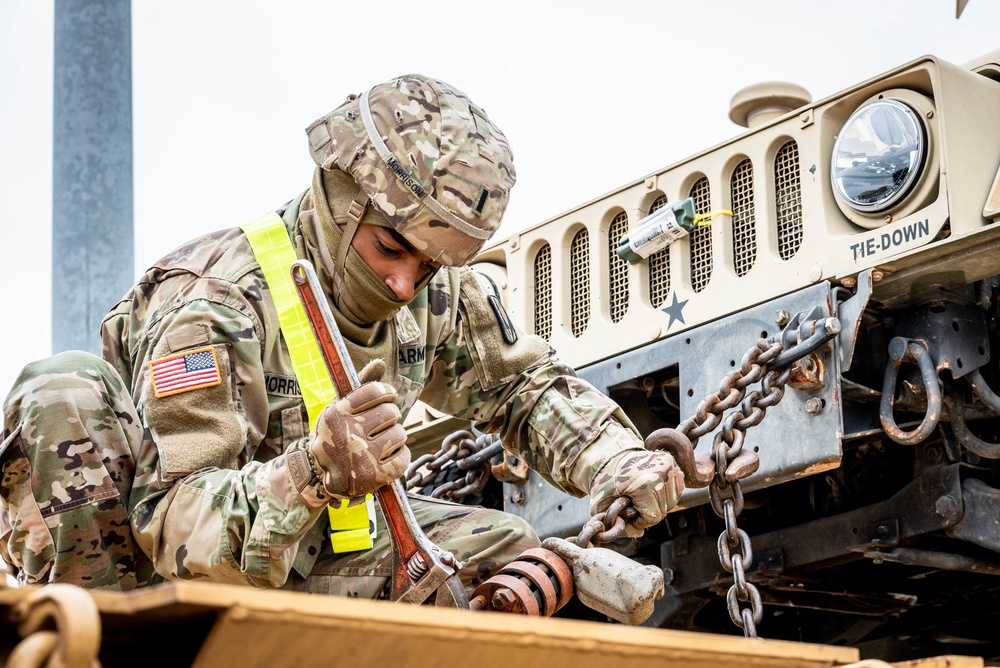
(211, 498)
(71, 437)
(208, 477)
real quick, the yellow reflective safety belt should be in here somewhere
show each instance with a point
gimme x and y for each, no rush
(352, 528)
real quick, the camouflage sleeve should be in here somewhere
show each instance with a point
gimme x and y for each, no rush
(199, 507)
(558, 423)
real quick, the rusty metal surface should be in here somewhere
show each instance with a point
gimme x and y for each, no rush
(770, 361)
(915, 352)
(538, 582)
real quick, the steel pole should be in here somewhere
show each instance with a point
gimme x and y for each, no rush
(92, 201)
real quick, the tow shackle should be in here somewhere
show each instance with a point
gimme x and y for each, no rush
(913, 351)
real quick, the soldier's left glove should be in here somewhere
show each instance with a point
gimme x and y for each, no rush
(651, 480)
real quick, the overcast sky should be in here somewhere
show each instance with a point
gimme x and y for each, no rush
(592, 95)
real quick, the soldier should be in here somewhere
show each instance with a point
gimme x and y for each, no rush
(186, 453)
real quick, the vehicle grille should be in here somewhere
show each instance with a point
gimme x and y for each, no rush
(579, 277)
(701, 238)
(543, 292)
(659, 266)
(744, 218)
(788, 200)
(617, 268)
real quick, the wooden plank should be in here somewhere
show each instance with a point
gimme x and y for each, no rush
(213, 624)
(265, 628)
(943, 662)
(250, 627)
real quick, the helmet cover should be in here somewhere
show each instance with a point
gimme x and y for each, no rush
(427, 157)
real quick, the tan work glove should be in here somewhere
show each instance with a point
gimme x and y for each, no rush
(651, 480)
(359, 444)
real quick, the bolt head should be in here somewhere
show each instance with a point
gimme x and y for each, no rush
(946, 506)
(503, 599)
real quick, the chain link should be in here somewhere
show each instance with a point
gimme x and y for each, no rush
(460, 452)
(608, 526)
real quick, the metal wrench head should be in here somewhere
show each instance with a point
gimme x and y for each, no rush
(441, 582)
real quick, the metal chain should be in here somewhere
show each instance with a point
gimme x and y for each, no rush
(771, 362)
(461, 450)
(609, 525)
(725, 492)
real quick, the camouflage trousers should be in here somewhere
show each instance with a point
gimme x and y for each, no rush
(71, 435)
(482, 540)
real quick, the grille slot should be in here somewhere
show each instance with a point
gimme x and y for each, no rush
(659, 266)
(580, 282)
(701, 238)
(744, 218)
(543, 292)
(617, 269)
(788, 200)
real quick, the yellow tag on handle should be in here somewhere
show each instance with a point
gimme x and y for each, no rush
(352, 528)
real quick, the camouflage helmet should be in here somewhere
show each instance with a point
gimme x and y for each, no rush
(427, 157)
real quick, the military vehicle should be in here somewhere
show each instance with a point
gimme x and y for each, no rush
(872, 213)
(843, 256)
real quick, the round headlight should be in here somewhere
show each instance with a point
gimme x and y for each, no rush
(878, 155)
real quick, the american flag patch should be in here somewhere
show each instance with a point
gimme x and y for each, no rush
(184, 372)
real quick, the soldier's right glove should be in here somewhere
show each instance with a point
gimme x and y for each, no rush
(359, 444)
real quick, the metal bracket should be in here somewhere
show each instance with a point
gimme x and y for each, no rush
(849, 313)
(884, 533)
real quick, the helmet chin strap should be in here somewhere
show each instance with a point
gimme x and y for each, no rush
(355, 214)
